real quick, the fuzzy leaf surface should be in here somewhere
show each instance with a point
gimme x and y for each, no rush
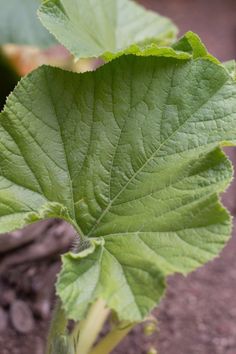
(103, 28)
(19, 24)
(130, 156)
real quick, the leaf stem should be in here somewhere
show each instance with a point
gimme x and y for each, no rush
(112, 339)
(88, 330)
(57, 329)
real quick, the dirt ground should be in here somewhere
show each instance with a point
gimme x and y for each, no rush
(198, 315)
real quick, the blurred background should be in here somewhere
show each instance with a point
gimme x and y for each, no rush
(198, 316)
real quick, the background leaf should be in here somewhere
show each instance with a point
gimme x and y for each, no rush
(130, 156)
(19, 24)
(92, 28)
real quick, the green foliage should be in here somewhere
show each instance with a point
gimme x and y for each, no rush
(189, 46)
(19, 24)
(192, 44)
(130, 156)
(231, 68)
(102, 28)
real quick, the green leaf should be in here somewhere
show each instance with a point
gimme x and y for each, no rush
(19, 24)
(187, 47)
(149, 50)
(103, 28)
(130, 156)
(97, 272)
(231, 68)
(191, 43)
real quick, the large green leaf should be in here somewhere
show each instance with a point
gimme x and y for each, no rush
(91, 28)
(19, 24)
(130, 156)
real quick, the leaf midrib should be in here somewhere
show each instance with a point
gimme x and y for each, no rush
(106, 210)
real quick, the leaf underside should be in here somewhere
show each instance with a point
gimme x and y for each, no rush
(19, 24)
(102, 28)
(130, 156)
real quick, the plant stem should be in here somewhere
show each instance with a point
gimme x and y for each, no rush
(58, 327)
(90, 328)
(112, 339)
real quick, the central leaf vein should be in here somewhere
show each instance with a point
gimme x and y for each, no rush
(106, 210)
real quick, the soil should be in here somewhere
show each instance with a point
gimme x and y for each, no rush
(198, 315)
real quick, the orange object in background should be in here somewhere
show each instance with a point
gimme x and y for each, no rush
(25, 58)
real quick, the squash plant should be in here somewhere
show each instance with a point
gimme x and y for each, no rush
(130, 155)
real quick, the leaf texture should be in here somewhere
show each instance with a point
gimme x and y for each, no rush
(130, 155)
(94, 28)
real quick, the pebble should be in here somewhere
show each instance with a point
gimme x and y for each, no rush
(42, 309)
(3, 320)
(7, 297)
(21, 317)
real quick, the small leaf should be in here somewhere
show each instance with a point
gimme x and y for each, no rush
(130, 155)
(19, 24)
(94, 28)
(149, 50)
(191, 43)
(96, 272)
